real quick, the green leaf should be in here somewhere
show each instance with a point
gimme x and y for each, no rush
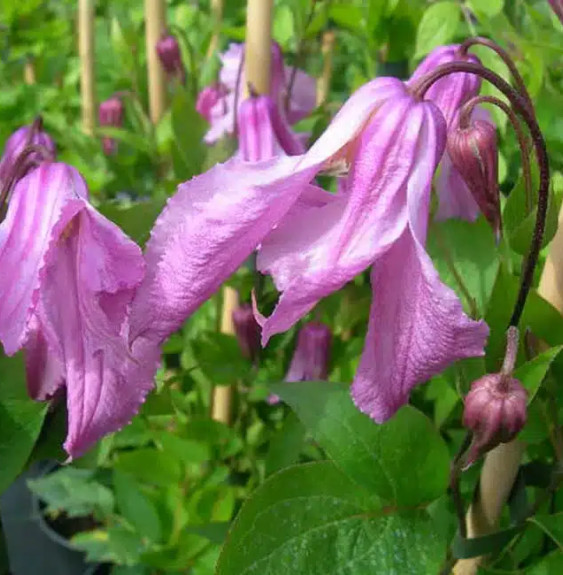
(20, 419)
(532, 373)
(552, 525)
(136, 507)
(438, 26)
(485, 8)
(150, 466)
(219, 357)
(550, 565)
(116, 545)
(135, 220)
(404, 461)
(186, 450)
(285, 445)
(312, 520)
(189, 128)
(136, 141)
(477, 546)
(347, 16)
(74, 492)
(471, 249)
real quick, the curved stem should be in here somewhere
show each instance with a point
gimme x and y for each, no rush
(521, 105)
(522, 141)
(480, 41)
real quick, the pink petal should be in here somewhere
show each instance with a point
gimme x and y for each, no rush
(40, 207)
(417, 328)
(217, 219)
(317, 251)
(45, 373)
(455, 199)
(89, 281)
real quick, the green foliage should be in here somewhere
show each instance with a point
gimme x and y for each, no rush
(306, 518)
(438, 26)
(404, 462)
(20, 420)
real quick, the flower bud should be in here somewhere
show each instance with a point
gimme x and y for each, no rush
(263, 131)
(473, 152)
(312, 354)
(495, 411)
(15, 145)
(110, 113)
(247, 331)
(168, 51)
(206, 100)
(311, 358)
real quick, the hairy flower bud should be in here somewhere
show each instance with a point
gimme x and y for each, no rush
(495, 411)
(110, 113)
(168, 51)
(474, 154)
(247, 331)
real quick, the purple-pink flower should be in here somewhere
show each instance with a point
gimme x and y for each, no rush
(17, 142)
(68, 278)
(312, 242)
(263, 131)
(110, 113)
(218, 106)
(449, 94)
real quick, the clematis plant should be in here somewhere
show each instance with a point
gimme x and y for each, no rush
(69, 275)
(217, 104)
(312, 242)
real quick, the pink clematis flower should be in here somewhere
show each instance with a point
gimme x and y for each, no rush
(68, 277)
(313, 242)
(18, 141)
(263, 131)
(231, 78)
(449, 94)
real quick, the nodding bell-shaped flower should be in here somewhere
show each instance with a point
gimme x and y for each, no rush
(311, 358)
(495, 407)
(313, 242)
(474, 154)
(170, 56)
(206, 101)
(110, 113)
(247, 331)
(22, 138)
(263, 131)
(68, 278)
(233, 82)
(449, 94)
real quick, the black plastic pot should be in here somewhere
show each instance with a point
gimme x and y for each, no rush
(34, 548)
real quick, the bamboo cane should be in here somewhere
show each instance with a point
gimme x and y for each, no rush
(155, 28)
(257, 71)
(502, 463)
(217, 15)
(29, 77)
(323, 83)
(86, 53)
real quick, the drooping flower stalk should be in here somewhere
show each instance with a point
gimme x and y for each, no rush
(521, 105)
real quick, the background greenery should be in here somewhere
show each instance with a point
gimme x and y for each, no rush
(310, 483)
